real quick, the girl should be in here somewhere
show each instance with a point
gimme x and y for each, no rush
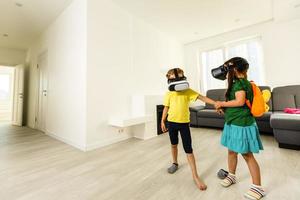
(240, 133)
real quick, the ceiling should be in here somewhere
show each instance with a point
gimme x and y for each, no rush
(190, 20)
(23, 24)
(186, 20)
(286, 9)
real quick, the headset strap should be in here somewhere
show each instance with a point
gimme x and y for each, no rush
(247, 101)
(176, 72)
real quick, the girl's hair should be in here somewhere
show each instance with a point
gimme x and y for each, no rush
(239, 64)
(172, 72)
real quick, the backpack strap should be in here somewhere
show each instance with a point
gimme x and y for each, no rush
(248, 103)
(247, 100)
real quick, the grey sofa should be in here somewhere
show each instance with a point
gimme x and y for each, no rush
(206, 116)
(286, 126)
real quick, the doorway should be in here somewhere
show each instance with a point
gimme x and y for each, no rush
(12, 94)
(6, 93)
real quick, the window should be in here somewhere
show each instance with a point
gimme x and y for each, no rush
(248, 49)
(211, 60)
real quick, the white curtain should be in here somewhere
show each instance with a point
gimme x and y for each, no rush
(248, 49)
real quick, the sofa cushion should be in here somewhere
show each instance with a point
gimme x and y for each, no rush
(282, 101)
(210, 122)
(265, 117)
(297, 98)
(215, 94)
(281, 120)
(209, 113)
(287, 96)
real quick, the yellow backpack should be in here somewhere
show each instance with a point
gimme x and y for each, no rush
(260, 98)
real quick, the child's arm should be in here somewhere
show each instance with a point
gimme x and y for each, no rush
(240, 99)
(206, 100)
(164, 118)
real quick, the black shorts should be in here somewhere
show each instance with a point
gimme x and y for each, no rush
(184, 129)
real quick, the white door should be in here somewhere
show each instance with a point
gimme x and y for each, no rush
(17, 118)
(42, 93)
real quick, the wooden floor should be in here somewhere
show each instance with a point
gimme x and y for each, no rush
(34, 166)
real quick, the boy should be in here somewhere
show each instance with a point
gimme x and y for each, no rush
(176, 106)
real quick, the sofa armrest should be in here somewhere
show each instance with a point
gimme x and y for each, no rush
(197, 108)
(193, 115)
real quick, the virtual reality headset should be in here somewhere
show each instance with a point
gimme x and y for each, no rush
(221, 71)
(178, 83)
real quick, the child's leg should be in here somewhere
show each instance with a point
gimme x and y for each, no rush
(173, 134)
(232, 163)
(255, 192)
(187, 145)
(174, 151)
(253, 168)
(200, 184)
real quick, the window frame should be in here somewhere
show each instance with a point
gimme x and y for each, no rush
(225, 49)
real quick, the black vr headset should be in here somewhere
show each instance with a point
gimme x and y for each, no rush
(221, 72)
(177, 83)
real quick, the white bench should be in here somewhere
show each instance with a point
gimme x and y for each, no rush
(130, 121)
(141, 119)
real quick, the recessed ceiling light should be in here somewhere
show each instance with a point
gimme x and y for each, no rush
(5, 35)
(19, 4)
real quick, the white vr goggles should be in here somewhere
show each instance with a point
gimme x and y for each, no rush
(178, 83)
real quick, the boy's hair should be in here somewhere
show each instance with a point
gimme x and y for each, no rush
(172, 72)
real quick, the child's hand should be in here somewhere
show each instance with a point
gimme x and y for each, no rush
(163, 127)
(220, 111)
(218, 105)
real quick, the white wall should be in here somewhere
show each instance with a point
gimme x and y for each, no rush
(281, 46)
(12, 57)
(282, 52)
(65, 43)
(125, 56)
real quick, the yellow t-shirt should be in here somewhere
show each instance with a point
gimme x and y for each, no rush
(178, 103)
